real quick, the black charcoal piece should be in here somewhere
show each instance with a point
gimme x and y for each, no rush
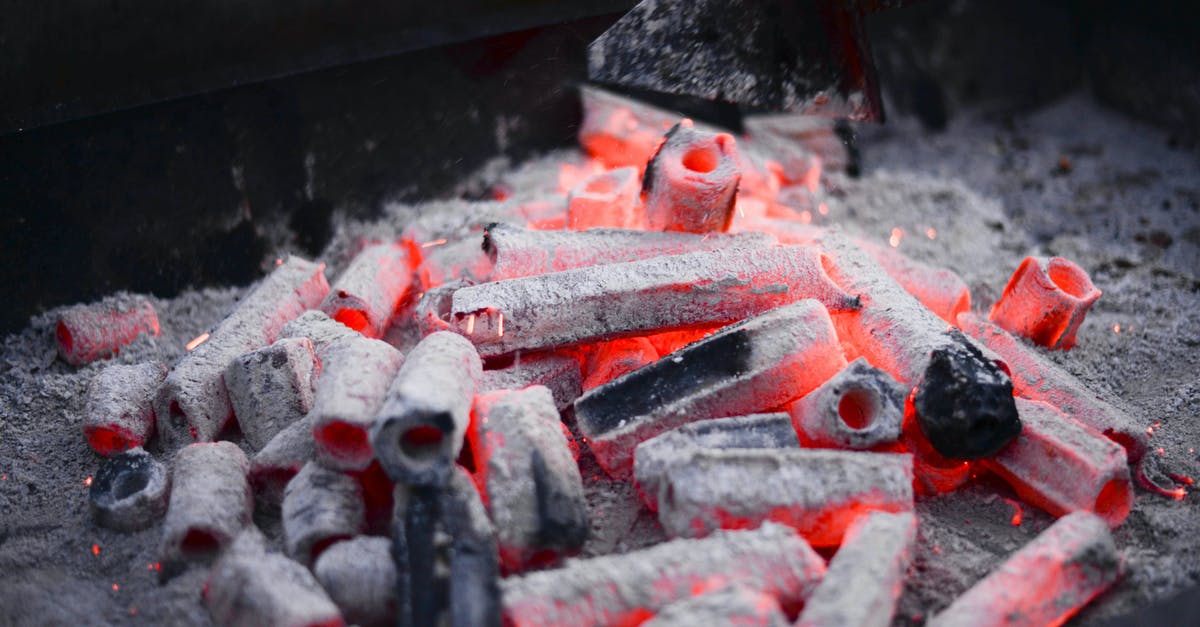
(964, 402)
(474, 584)
(414, 531)
(129, 491)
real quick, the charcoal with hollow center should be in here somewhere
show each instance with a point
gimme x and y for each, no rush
(119, 413)
(606, 199)
(636, 298)
(272, 387)
(1062, 466)
(1046, 300)
(635, 585)
(355, 376)
(858, 408)
(318, 327)
(691, 181)
(129, 491)
(85, 333)
(1046, 581)
(530, 480)
(210, 503)
(320, 507)
(866, 575)
(752, 366)
(652, 457)
(419, 430)
(192, 404)
(817, 492)
(251, 587)
(474, 590)
(558, 371)
(359, 575)
(366, 293)
(275, 465)
(734, 605)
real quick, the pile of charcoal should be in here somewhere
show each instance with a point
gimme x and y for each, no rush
(777, 392)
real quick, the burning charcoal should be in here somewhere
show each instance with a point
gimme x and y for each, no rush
(1045, 300)
(866, 575)
(624, 299)
(860, 407)
(816, 492)
(419, 431)
(250, 587)
(272, 387)
(815, 134)
(557, 371)
(608, 199)
(320, 507)
(1045, 582)
(129, 491)
(355, 378)
(474, 565)
(432, 310)
(274, 466)
(86, 333)
(752, 366)
(210, 503)
(319, 328)
(629, 588)
(620, 131)
(788, 232)
(1062, 466)
(451, 260)
(367, 292)
(671, 341)
(652, 457)
(192, 404)
(517, 252)
(964, 402)
(360, 577)
(939, 289)
(932, 473)
(735, 605)
(609, 360)
(530, 480)
(118, 415)
(690, 183)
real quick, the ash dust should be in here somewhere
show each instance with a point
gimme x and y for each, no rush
(1127, 211)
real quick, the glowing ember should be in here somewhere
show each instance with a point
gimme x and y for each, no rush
(278, 261)
(95, 549)
(198, 340)
(805, 217)
(931, 233)
(823, 209)
(500, 325)
(87, 481)
(1016, 517)
(436, 242)
(1116, 328)
(115, 587)
(471, 324)
(897, 235)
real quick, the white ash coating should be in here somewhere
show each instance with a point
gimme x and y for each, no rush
(359, 575)
(866, 575)
(872, 392)
(432, 311)
(192, 404)
(319, 505)
(355, 377)
(96, 330)
(652, 457)
(129, 492)
(272, 387)
(690, 183)
(559, 372)
(821, 491)
(373, 284)
(318, 327)
(249, 587)
(210, 495)
(119, 400)
(601, 590)
(733, 605)
(605, 199)
(278, 461)
(444, 261)
(640, 297)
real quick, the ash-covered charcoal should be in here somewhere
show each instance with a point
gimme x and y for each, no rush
(1044, 583)
(734, 605)
(474, 579)
(444, 261)
(629, 588)
(558, 371)
(360, 577)
(251, 587)
(1045, 301)
(355, 377)
(518, 252)
(119, 414)
(1062, 466)
(606, 361)
(939, 289)
(529, 478)
(272, 387)
(620, 131)
(432, 311)
(85, 333)
(274, 466)
(964, 402)
(129, 491)
(608, 199)
(858, 408)
(819, 493)
(192, 404)
(318, 328)
(419, 430)
(752, 366)
(636, 298)
(866, 575)
(210, 503)
(652, 457)
(366, 293)
(320, 507)
(791, 136)
(691, 182)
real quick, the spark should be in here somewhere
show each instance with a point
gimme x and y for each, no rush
(897, 235)
(436, 242)
(823, 209)
(937, 549)
(741, 210)
(1191, 451)
(931, 233)
(500, 325)
(279, 261)
(1116, 328)
(1149, 430)
(1160, 451)
(3, 477)
(95, 549)
(805, 216)
(470, 324)
(198, 340)
(154, 566)
(88, 482)
(116, 587)
(1157, 424)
